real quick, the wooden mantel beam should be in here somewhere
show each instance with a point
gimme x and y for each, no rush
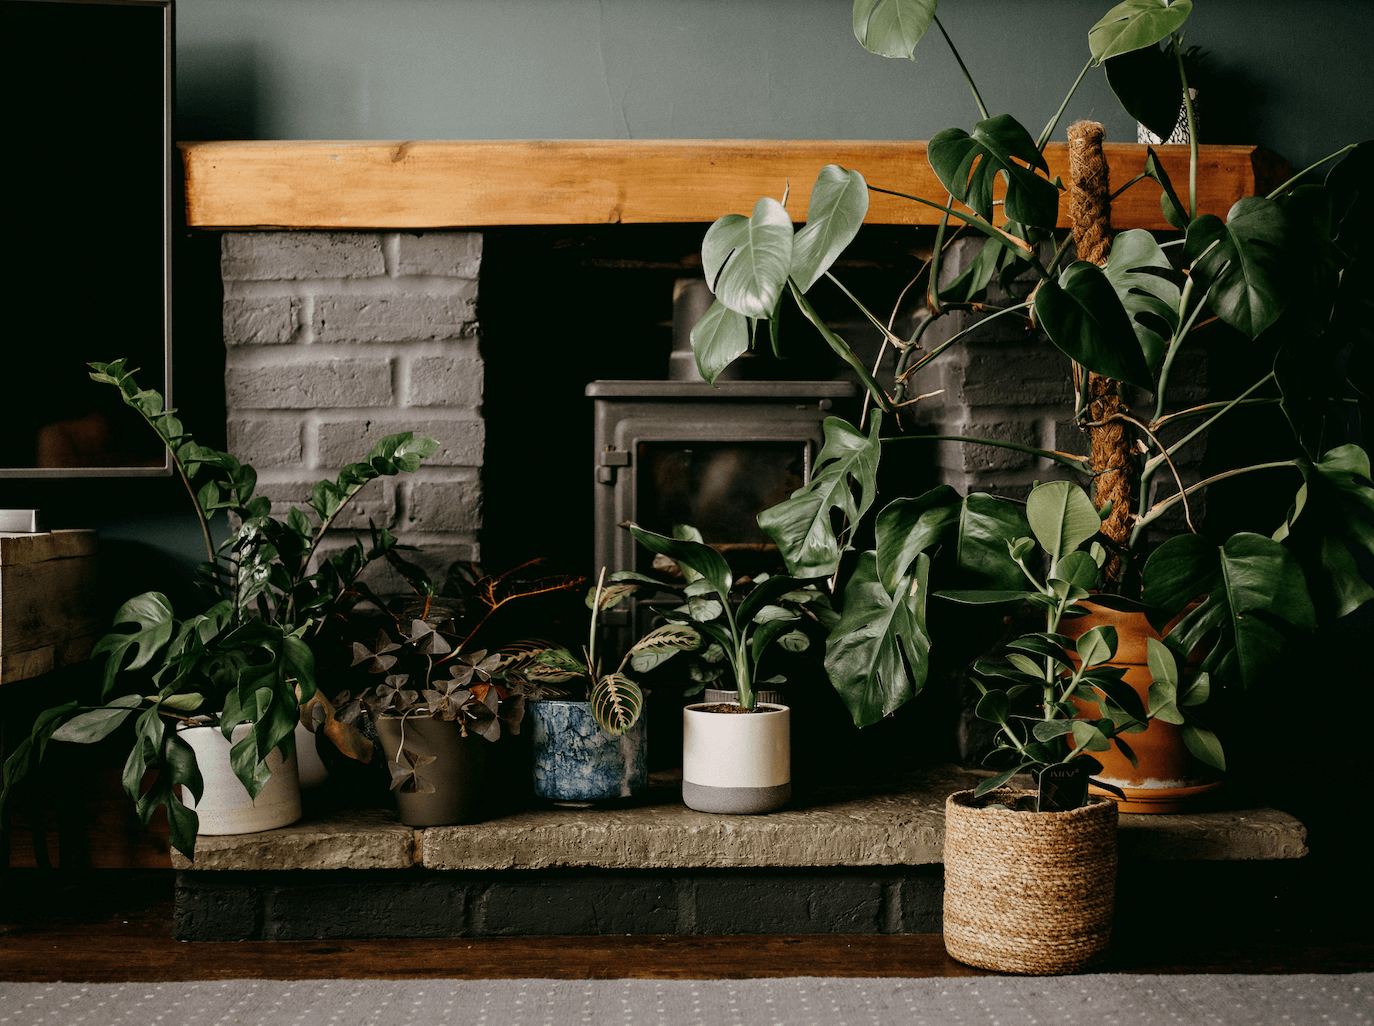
(402, 185)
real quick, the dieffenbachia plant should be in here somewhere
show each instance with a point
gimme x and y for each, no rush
(245, 659)
(1286, 272)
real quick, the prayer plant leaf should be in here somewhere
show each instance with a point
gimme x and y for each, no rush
(616, 703)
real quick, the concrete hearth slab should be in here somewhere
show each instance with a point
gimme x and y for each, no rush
(900, 824)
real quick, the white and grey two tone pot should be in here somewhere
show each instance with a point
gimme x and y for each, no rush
(736, 762)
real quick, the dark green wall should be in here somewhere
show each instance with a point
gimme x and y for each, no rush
(1293, 77)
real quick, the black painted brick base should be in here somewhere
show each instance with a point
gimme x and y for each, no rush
(299, 905)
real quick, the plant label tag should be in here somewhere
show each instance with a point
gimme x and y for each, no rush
(1063, 786)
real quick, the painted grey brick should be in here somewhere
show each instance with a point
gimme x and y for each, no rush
(393, 905)
(265, 443)
(402, 317)
(433, 557)
(345, 441)
(375, 501)
(923, 900)
(287, 256)
(226, 908)
(542, 904)
(443, 505)
(1014, 374)
(310, 383)
(450, 254)
(260, 322)
(444, 381)
(794, 903)
(977, 458)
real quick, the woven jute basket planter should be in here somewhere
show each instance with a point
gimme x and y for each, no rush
(1028, 892)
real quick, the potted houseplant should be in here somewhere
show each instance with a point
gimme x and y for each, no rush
(1279, 272)
(736, 756)
(590, 739)
(440, 701)
(217, 698)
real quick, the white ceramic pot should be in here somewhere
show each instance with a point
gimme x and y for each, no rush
(313, 771)
(224, 806)
(736, 762)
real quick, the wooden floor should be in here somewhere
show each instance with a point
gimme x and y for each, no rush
(95, 933)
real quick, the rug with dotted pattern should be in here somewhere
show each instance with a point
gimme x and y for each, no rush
(1097, 1000)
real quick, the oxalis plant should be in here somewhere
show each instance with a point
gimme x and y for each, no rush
(245, 659)
(1284, 273)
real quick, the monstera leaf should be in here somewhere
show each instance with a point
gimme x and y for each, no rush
(1147, 84)
(877, 657)
(1136, 24)
(839, 201)
(1253, 593)
(968, 165)
(1243, 261)
(802, 526)
(151, 615)
(1083, 315)
(759, 258)
(892, 28)
(1142, 277)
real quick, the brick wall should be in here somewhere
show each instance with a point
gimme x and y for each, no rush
(337, 338)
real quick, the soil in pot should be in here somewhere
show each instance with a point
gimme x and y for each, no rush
(1167, 776)
(1028, 892)
(734, 760)
(449, 769)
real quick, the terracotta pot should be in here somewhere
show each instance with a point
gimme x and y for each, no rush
(575, 761)
(1028, 892)
(739, 763)
(455, 775)
(224, 806)
(1167, 776)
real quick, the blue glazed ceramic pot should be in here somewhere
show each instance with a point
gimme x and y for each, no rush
(576, 761)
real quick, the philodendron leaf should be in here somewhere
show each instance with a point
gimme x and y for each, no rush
(986, 525)
(98, 723)
(151, 615)
(1170, 205)
(1088, 736)
(1243, 263)
(877, 657)
(755, 272)
(718, 339)
(968, 164)
(1203, 744)
(1097, 645)
(1147, 84)
(838, 204)
(1163, 665)
(701, 558)
(1062, 517)
(892, 28)
(1141, 275)
(802, 525)
(1135, 24)
(908, 527)
(1082, 314)
(1078, 569)
(1256, 596)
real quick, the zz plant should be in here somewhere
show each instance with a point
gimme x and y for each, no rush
(1284, 273)
(247, 658)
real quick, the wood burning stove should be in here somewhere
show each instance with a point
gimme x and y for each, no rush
(671, 452)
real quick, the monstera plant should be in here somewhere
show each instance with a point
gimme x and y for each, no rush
(1284, 274)
(247, 657)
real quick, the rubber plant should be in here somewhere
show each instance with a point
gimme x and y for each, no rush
(246, 658)
(1286, 272)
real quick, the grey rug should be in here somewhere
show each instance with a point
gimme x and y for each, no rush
(1337, 1000)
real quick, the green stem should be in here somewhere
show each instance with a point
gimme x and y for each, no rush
(1138, 178)
(1176, 343)
(977, 97)
(1192, 131)
(1153, 463)
(1164, 505)
(1064, 458)
(1049, 128)
(1059, 253)
(887, 332)
(960, 334)
(1023, 249)
(937, 257)
(1198, 411)
(591, 633)
(1282, 188)
(841, 347)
